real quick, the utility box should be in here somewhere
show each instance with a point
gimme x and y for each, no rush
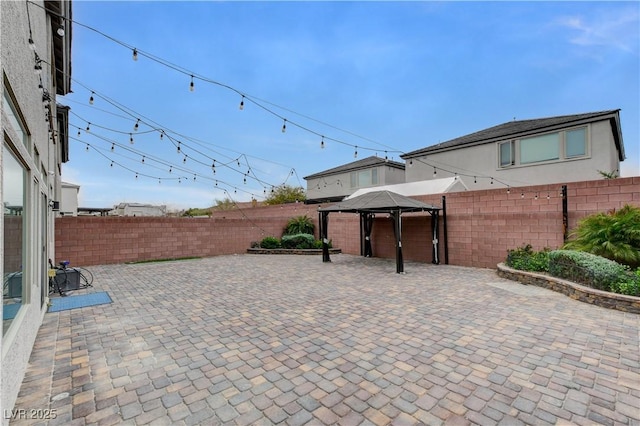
(14, 285)
(68, 279)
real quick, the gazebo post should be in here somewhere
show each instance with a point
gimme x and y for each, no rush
(435, 214)
(397, 227)
(324, 222)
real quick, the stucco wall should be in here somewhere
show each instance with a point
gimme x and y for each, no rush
(482, 226)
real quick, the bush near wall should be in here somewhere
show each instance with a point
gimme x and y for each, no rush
(588, 269)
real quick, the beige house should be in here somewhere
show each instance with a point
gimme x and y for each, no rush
(36, 67)
(336, 183)
(559, 149)
(69, 199)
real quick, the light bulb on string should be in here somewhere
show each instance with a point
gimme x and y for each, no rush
(216, 183)
(79, 134)
(434, 172)
(192, 87)
(135, 54)
(87, 148)
(322, 143)
(178, 147)
(136, 175)
(136, 126)
(522, 195)
(284, 125)
(475, 180)
(143, 159)
(241, 107)
(91, 99)
(113, 147)
(32, 45)
(548, 196)
(131, 138)
(111, 165)
(245, 179)
(88, 129)
(184, 160)
(386, 157)
(170, 169)
(194, 177)
(536, 196)
(355, 153)
(508, 190)
(161, 134)
(492, 181)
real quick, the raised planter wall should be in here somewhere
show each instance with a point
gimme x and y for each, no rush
(482, 226)
(575, 291)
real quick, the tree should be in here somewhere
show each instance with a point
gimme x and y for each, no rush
(226, 204)
(285, 194)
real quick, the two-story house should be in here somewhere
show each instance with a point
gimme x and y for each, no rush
(336, 183)
(35, 59)
(565, 148)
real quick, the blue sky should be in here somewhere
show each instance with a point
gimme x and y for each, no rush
(387, 77)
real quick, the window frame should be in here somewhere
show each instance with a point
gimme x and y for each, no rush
(516, 149)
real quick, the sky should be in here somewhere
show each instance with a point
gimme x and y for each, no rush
(376, 78)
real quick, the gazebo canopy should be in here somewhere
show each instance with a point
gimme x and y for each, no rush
(379, 202)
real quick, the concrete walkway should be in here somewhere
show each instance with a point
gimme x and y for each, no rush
(258, 339)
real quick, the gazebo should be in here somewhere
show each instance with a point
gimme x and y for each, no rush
(387, 202)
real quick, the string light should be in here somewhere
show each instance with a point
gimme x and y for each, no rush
(87, 148)
(87, 129)
(434, 171)
(508, 189)
(191, 85)
(113, 147)
(143, 159)
(161, 134)
(322, 143)
(475, 180)
(178, 147)
(79, 132)
(111, 165)
(91, 99)
(170, 169)
(242, 103)
(492, 181)
(184, 160)
(131, 138)
(355, 153)
(548, 196)
(135, 54)
(284, 125)
(136, 126)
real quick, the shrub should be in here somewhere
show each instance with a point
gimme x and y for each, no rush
(318, 244)
(299, 225)
(298, 241)
(525, 259)
(614, 235)
(270, 243)
(586, 268)
(630, 286)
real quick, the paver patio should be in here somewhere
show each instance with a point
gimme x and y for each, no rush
(256, 339)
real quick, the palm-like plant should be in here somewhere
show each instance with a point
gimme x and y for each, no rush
(614, 235)
(299, 225)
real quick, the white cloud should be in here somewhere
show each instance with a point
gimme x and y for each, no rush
(617, 29)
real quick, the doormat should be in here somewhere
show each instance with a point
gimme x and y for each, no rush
(72, 302)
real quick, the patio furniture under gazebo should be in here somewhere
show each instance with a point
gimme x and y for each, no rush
(367, 205)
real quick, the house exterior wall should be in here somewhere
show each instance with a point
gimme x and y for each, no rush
(39, 160)
(339, 184)
(484, 160)
(482, 226)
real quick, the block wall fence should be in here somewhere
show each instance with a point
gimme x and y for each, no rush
(482, 226)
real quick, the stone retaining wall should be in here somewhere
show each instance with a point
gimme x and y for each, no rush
(575, 291)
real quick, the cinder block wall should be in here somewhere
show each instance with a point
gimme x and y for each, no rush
(482, 226)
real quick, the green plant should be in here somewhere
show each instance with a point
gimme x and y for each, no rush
(609, 175)
(299, 225)
(526, 259)
(630, 286)
(614, 235)
(318, 244)
(586, 268)
(298, 241)
(285, 194)
(270, 243)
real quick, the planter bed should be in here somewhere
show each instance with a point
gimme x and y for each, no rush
(290, 251)
(620, 302)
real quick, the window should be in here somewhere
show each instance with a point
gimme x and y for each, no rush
(540, 148)
(15, 221)
(14, 119)
(556, 146)
(364, 178)
(576, 143)
(507, 154)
